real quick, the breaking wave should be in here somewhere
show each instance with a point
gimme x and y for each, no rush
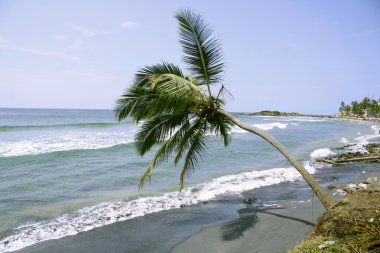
(75, 125)
(110, 212)
(264, 127)
(52, 141)
(65, 141)
(321, 152)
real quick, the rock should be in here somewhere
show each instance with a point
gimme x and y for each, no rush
(332, 187)
(371, 180)
(249, 201)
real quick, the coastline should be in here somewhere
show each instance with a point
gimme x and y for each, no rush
(176, 228)
(256, 227)
(218, 226)
(297, 115)
(274, 230)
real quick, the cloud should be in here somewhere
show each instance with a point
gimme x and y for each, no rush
(62, 36)
(76, 38)
(365, 33)
(77, 43)
(3, 40)
(41, 52)
(128, 24)
(85, 32)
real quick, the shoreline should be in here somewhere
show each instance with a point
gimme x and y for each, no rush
(182, 229)
(114, 234)
(269, 231)
(179, 230)
(376, 120)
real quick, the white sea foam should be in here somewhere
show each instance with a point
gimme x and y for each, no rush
(271, 126)
(312, 120)
(62, 142)
(264, 127)
(364, 140)
(297, 119)
(321, 152)
(73, 140)
(343, 140)
(106, 213)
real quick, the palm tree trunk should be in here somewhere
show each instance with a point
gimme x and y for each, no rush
(323, 196)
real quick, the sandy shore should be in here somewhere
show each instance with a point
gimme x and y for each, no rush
(222, 225)
(261, 230)
(248, 229)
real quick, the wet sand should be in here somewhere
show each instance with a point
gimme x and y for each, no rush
(273, 230)
(227, 224)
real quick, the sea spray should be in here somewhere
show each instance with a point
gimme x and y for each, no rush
(264, 127)
(321, 152)
(71, 140)
(68, 139)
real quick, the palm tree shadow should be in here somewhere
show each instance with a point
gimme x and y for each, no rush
(248, 218)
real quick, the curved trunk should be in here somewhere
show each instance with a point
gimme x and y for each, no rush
(323, 196)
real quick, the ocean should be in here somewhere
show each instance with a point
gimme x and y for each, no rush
(64, 172)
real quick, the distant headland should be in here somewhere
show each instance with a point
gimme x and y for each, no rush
(282, 114)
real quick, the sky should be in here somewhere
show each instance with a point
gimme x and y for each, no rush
(294, 56)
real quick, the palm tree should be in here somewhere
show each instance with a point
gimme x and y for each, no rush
(179, 111)
(341, 108)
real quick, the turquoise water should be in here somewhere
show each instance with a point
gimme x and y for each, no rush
(67, 171)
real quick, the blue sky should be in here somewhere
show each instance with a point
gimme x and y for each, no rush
(303, 56)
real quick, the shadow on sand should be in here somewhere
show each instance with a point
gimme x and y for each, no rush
(248, 218)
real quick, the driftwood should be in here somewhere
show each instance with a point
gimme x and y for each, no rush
(321, 160)
(359, 159)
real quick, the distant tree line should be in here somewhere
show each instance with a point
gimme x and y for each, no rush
(367, 108)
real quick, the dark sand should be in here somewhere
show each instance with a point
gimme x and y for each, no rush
(274, 230)
(228, 224)
(217, 226)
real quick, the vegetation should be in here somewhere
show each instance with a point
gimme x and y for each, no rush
(319, 244)
(372, 155)
(179, 111)
(367, 108)
(274, 113)
(355, 220)
(352, 225)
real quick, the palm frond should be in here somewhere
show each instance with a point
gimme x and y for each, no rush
(136, 102)
(202, 52)
(185, 143)
(174, 85)
(142, 77)
(221, 125)
(197, 147)
(223, 92)
(158, 129)
(164, 91)
(165, 151)
(177, 111)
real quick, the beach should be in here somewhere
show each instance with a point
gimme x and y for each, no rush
(216, 226)
(69, 184)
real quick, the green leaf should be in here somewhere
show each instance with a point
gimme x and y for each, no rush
(158, 129)
(165, 151)
(202, 53)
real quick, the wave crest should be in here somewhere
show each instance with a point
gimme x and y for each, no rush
(321, 152)
(106, 213)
